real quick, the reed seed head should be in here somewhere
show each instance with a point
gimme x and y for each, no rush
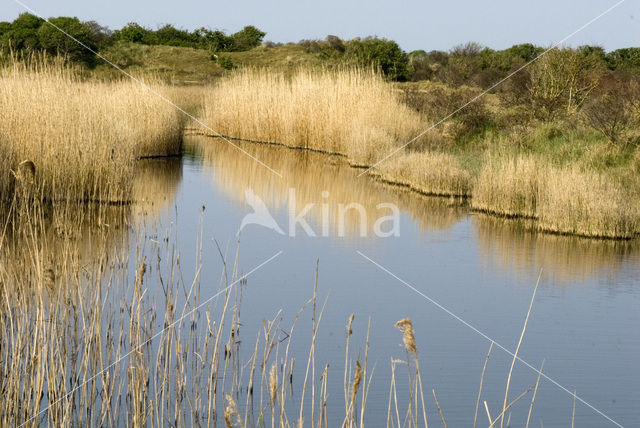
(356, 380)
(406, 327)
(231, 416)
(273, 383)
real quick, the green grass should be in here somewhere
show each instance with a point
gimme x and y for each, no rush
(179, 65)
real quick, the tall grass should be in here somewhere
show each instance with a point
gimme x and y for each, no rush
(438, 174)
(566, 200)
(357, 114)
(352, 112)
(62, 138)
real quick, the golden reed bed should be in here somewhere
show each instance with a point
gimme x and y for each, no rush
(357, 114)
(66, 139)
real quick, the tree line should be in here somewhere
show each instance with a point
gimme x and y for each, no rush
(29, 33)
(468, 64)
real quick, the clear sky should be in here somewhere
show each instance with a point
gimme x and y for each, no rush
(413, 24)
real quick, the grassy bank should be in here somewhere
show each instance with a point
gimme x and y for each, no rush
(569, 179)
(64, 139)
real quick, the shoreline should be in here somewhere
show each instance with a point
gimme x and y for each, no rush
(466, 198)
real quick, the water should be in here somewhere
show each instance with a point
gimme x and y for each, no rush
(584, 322)
(476, 276)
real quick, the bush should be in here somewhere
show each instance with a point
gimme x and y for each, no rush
(225, 62)
(437, 103)
(383, 53)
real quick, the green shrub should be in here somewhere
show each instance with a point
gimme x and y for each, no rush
(383, 53)
(225, 62)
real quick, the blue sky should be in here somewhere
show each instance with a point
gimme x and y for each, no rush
(413, 24)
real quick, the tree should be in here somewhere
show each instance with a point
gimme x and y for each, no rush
(133, 32)
(627, 59)
(247, 38)
(525, 51)
(56, 42)
(336, 43)
(215, 41)
(5, 27)
(171, 36)
(562, 79)
(614, 109)
(102, 35)
(383, 53)
(23, 33)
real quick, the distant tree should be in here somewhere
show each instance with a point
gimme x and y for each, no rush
(419, 65)
(247, 38)
(133, 32)
(5, 27)
(23, 34)
(438, 57)
(102, 35)
(596, 51)
(214, 40)
(417, 54)
(171, 36)
(336, 43)
(525, 51)
(562, 79)
(467, 49)
(626, 59)
(381, 52)
(614, 109)
(56, 42)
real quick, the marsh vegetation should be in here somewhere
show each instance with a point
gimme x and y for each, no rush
(94, 330)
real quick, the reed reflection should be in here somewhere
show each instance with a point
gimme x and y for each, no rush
(513, 246)
(49, 246)
(325, 181)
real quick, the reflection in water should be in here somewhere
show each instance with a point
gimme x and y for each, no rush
(68, 245)
(317, 179)
(506, 244)
(155, 186)
(511, 245)
(54, 245)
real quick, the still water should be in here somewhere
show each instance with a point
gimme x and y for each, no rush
(585, 321)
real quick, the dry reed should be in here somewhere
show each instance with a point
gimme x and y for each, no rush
(565, 200)
(352, 112)
(430, 173)
(80, 138)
